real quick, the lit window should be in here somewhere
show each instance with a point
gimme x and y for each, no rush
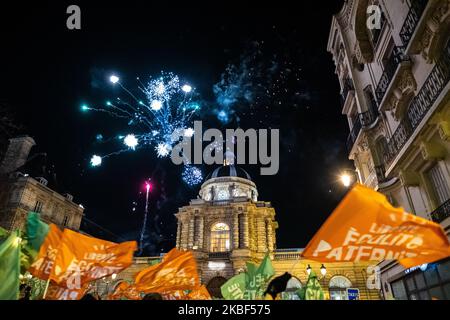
(338, 288)
(220, 237)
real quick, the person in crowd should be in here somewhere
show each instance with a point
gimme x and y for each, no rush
(89, 296)
(26, 293)
(152, 296)
(277, 286)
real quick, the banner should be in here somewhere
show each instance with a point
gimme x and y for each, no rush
(9, 266)
(36, 231)
(366, 227)
(177, 271)
(257, 279)
(251, 284)
(200, 293)
(313, 289)
(43, 265)
(55, 292)
(81, 259)
(234, 288)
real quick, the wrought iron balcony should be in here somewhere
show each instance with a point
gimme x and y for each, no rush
(420, 105)
(363, 120)
(381, 173)
(412, 19)
(368, 118)
(391, 67)
(347, 87)
(353, 134)
(441, 213)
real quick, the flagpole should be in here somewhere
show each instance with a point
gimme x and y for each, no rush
(46, 288)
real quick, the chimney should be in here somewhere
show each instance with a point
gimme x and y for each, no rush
(17, 154)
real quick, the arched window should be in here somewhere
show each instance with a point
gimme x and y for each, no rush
(292, 288)
(338, 287)
(220, 237)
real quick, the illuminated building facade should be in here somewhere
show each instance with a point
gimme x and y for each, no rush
(28, 184)
(394, 80)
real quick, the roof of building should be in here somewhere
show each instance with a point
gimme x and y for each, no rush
(37, 166)
(229, 171)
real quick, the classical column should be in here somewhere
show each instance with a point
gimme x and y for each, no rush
(236, 231)
(246, 231)
(178, 234)
(262, 235)
(269, 234)
(184, 234)
(200, 233)
(191, 232)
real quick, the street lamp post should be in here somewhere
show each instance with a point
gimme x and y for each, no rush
(348, 178)
(323, 271)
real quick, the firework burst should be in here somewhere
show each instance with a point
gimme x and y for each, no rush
(159, 119)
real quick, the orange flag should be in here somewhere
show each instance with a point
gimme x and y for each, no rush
(55, 292)
(366, 227)
(176, 271)
(43, 265)
(200, 293)
(81, 259)
(125, 290)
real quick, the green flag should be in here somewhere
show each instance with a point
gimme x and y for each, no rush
(257, 279)
(234, 288)
(313, 289)
(36, 231)
(10, 267)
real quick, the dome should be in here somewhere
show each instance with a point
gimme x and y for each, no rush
(228, 182)
(229, 171)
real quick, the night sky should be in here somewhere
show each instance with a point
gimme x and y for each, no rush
(275, 58)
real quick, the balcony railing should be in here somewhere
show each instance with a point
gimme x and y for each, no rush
(219, 255)
(381, 173)
(392, 64)
(441, 213)
(412, 19)
(347, 87)
(420, 105)
(288, 256)
(353, 134)
(369, 117)
(363, 120)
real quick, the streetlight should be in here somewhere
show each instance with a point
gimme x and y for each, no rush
(114, 276)
(323, 270)
(308, 270)
(346, 180)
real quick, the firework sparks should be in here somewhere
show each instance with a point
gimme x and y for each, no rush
(192, 175)
(131, 141)
(96, 161)
(167, 108)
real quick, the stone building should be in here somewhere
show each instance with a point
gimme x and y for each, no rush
(28, 184)
(394, 78)
(227, 226)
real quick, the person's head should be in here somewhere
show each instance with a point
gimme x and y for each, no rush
(89, 296)
(152, 296)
